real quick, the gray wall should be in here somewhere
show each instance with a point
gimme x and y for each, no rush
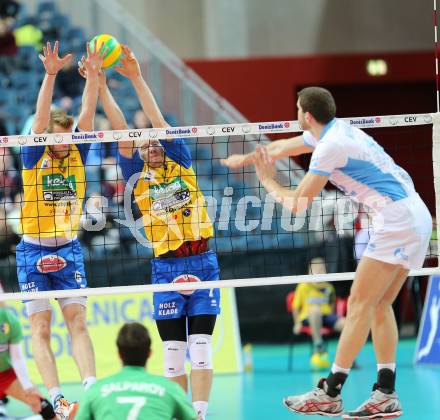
(241, 28)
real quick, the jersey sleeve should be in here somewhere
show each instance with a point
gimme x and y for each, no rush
(178, 151)
(183, 410)
(83, 148)
(130, 166)
(326, 158)
(16, 334)
(309, 140)
(30, 155)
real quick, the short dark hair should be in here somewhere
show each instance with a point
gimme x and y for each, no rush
(134, 344)
(319, 102)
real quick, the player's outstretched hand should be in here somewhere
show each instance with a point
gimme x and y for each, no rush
(128, 65)
(92, 64)
(264, 164)
(52, 63)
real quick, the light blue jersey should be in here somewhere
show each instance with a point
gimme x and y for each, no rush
(358, 166)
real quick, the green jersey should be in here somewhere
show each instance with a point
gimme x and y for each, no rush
(10, 333)
(134, 394)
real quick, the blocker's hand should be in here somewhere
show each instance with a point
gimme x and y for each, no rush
(92, 64)
(51, 62)
(101, 75)
(128, 64)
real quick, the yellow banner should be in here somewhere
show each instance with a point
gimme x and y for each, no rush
(106, 314)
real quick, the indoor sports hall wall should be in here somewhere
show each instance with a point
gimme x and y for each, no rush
(242, 28)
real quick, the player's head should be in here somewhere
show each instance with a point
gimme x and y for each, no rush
(317, 266)
(59, 122)
(134, 344)
(315, 105)
(151, 152)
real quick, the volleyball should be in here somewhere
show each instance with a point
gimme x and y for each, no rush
(114, 49)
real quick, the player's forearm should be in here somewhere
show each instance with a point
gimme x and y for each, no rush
(148, 102)
(89, 102)
(111, 109)
(44, 102)
(289, 199)
(19, 365)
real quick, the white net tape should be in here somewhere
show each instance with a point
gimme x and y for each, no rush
(205, 131)
(211, 131)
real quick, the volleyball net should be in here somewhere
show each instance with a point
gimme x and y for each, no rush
(258, 242)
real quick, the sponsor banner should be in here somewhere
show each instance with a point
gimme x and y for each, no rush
(105, 316)
(428, 341)
(205, 131)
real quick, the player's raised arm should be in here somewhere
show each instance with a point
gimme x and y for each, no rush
(52, 64)
(277, 150)
(129, 67)
(112, 111)
(92, 65)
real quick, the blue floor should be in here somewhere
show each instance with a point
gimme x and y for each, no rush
(257, 395)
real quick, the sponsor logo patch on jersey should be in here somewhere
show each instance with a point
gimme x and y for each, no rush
(45, 164)
(51, 264)
(186, 278)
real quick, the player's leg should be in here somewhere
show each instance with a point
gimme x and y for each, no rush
(200, 329)
(383, 400)
(314, 318)
(74, 312)
(40, 317)
(173, 334)
(372, 281)
(73, 277)
(33, 399)
(202, 308)
(319, 359)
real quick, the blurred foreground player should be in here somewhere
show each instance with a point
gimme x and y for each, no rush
(133, 393)
(14, 378)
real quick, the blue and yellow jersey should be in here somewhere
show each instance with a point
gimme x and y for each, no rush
(53, 191)
(312, 294)
(169, 198)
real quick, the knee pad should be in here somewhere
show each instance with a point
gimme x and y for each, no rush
(37, 305)
(174, 355)
(200, 351)
(46, 410)
(80, 300)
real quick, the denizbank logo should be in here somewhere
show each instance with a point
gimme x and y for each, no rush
(56, 187)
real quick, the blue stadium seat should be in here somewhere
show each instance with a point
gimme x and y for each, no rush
(45, 7)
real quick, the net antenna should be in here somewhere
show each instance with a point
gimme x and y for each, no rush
(434, 15)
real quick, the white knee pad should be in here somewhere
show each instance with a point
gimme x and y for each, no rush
(80, 300)
(174, 355)
(200, 351)
(37, 305)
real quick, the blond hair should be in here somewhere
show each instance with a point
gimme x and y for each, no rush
(61, 118)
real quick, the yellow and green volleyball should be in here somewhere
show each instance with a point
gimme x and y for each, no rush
(113, 49)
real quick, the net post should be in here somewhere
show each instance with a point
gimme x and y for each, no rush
(436, 172)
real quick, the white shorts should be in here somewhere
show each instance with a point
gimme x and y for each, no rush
(401, 233)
